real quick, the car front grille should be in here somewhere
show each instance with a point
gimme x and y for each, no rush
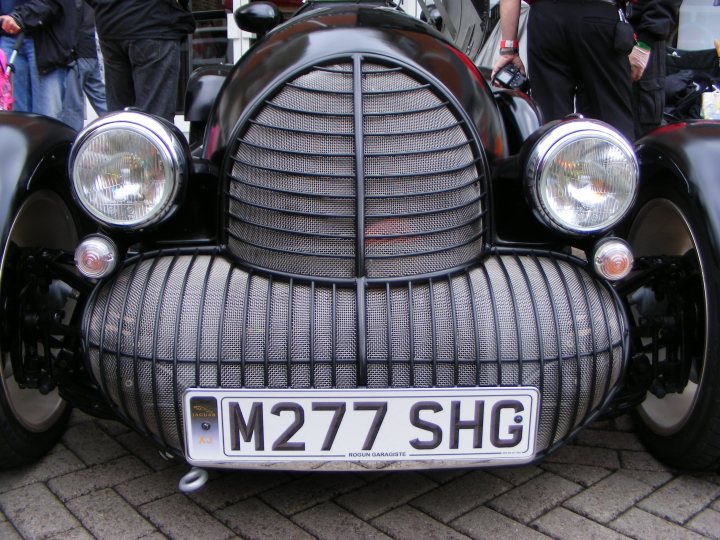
(356, 168)
(177, 320)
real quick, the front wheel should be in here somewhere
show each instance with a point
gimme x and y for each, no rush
(676, 311)
(31, 422)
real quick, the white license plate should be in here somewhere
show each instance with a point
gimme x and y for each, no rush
(486, 424)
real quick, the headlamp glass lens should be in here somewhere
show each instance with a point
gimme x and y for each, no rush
(123, 176)
(587, 184)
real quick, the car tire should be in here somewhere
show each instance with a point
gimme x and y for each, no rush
(31, 422)
(682, 429)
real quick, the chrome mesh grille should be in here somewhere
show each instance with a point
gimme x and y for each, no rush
(176, 321)
(309, 171)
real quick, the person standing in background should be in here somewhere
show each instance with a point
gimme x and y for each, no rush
(53, 25)
(26, 78)
(573, 46)
(654, 22)
(85, 77)
(140, 43)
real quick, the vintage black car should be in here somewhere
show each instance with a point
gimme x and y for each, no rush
(369, 259)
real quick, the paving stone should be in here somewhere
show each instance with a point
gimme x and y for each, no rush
(73, 534)
(145, 451)
(485, 524)
(151, 487)
(112, 427)
(563, 524)
(516, 475)
(91, 444)
(233, 487)
(384, 494)
(462, 495)
(106, 514)
(329, 521)
(681, 499)
(180, 518)
(641, 525)
(585, 455)
(651, 478)
(396, 524)
(309, 490)
(642, 461)
(714, 478)
(8, 532)
(585, 475)
(154, 536)
(530, 500)
(609, 498)
(706, 522)
(255, 520)
(79, 417)
(716, 505)
(615, 440)
(52, 465)
(98, 477)
(35, 512)
(442, 476)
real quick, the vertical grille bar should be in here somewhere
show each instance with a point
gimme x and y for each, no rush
(156, 343)
(518, 332)
(199, 328)
(536, 314)
(359, 167)
(138, 396)
(593, 337)
(555, 319)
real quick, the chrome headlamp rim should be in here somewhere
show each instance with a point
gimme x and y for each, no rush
(556, 138)
(165, 137)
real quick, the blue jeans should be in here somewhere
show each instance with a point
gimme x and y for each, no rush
(84, 78)
(25, 78)
(52, 93)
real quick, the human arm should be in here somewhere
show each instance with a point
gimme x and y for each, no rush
(509, 18)
(34, 13)
(652, 20)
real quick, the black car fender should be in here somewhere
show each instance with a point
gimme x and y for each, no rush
(33, 154)
(684, 156)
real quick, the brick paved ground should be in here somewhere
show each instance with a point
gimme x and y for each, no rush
(105, 482)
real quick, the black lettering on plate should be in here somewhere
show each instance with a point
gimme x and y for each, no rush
(418, 422)
(339, 408)
(247, 430)
(514, 430)
(476, 424)
(283, 441)
(380, 408)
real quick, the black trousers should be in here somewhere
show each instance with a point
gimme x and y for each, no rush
(648, 93)
(570, 52)
(142, 73)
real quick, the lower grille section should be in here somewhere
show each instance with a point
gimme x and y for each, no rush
(173, 321)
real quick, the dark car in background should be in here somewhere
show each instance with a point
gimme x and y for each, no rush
(369, 259)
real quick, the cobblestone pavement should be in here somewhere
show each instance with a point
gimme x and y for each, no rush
(104, 482)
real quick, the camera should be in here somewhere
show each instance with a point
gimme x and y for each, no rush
(510, 77)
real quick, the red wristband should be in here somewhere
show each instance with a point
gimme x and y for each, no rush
(509, 44)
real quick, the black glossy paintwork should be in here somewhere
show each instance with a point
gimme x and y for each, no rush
(29, 145)
(687, 154)
(340, 31)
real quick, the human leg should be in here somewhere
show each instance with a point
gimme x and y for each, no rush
(552, 78)
(604, 73)
(52, 92)
(93, 84)
(119, 88)
(649, 92)
(73, 110)
(156, 70)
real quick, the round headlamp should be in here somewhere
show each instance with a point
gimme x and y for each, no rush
(581, 177)
(127, 169)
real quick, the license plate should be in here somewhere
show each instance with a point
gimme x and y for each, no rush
(485, 424)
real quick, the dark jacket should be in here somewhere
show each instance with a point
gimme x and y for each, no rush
(654, 20)
(142, 19)
(53, 24)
